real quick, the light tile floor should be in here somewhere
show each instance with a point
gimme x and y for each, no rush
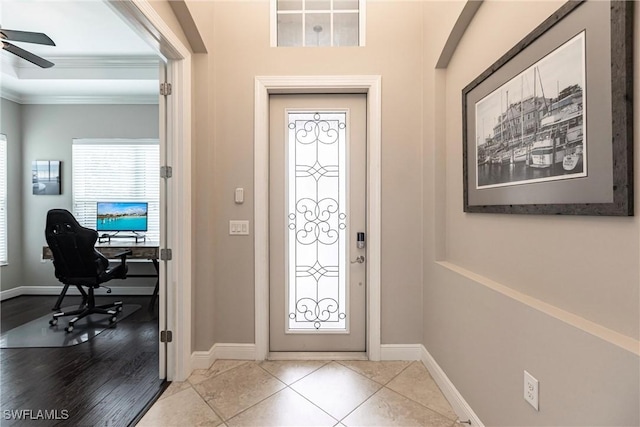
(304, 393)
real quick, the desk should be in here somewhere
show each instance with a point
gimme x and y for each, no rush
(139, 250)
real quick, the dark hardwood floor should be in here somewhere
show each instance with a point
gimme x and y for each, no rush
(107, 381)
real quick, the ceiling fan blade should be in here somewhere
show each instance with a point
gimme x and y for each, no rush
(35, 59)
(26, 36)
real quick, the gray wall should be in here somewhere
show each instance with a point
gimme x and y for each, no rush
(11, 126)
(47, 134)
(556, 296)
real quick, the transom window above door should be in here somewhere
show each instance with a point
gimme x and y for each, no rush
(317, 23)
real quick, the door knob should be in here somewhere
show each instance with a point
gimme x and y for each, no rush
(358, 260)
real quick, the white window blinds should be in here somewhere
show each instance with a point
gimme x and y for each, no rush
(3, 200)
(116, 170)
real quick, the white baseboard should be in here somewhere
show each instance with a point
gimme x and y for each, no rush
(453, 396)
(55, 290)
(401, 351)
(234, 351)
(10, 293)
(317, 355)
(204, 359)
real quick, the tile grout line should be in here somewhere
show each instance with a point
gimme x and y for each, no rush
(244, 362)
(424, 406)
(224, 420)
(383, 386)
(191, 386)
(313, 403)
(301, 378)
(361, 403)
(364, 401)
(378, 382)
(278, 391)
(415, 401)
(207, 403)
(299, 394)
(219, 415)
(214, 410)
(399, 393)
(261, 400)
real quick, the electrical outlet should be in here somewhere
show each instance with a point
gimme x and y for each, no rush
(531, 390)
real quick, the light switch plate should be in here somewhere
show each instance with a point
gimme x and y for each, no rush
(239, 195)
(238, 228)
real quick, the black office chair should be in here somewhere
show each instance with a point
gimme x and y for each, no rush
(78, 263)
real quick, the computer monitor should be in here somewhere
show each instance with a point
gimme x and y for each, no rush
(122, 216)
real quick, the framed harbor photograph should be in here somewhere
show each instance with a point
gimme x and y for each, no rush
(532, 126)
(547, 129)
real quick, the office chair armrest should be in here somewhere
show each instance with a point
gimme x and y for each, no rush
(123, 256)
(118, 271)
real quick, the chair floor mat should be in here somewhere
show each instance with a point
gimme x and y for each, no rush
(38, 332)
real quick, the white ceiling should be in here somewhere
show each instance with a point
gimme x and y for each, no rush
(98, 58)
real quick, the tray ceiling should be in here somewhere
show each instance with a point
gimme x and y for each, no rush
(98, 58)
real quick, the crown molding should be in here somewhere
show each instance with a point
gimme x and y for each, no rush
(135, 65)
(120, 61)
(128, 62)
(81, 68)
(10, 95)
(78, 99)
(91, 68)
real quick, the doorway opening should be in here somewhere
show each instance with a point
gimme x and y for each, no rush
(175, 159)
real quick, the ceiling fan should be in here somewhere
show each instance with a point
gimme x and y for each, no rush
(26, 37)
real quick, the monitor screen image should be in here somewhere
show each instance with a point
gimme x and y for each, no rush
(122, 216)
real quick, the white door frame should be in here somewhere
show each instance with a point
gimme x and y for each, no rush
(149, 25)
(264, 86)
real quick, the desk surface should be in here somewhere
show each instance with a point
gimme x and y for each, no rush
(140, 250)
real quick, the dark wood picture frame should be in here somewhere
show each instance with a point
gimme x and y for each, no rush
(608, 187)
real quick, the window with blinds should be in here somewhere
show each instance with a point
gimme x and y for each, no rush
(116, 170)
(3, 201)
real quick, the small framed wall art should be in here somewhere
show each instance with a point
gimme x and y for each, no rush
(46, 177)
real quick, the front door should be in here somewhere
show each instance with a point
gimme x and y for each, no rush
(317, 221)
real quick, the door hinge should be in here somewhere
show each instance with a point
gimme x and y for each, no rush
(166, 171)
(165, 254)
(165, 89)
(166, 336)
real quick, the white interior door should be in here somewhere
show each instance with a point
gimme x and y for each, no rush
(317, 207)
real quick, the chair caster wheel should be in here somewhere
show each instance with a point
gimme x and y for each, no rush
(68, 328)
(53, 322)
(119, 309)
(113, 319)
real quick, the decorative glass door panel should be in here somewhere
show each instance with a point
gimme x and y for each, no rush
(317, 221)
